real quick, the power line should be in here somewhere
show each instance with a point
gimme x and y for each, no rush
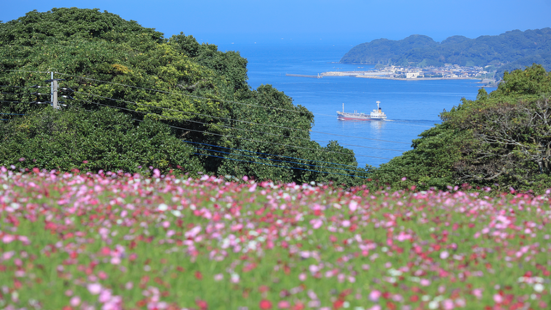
(221, 100)
(25, 71)
(244, 129)
(198, 97)
(231, 119)
(291, 162)
(13, 86)
(276, 160)
(266, 154)
(182, 94)
(226, 136)
(296, 168)
(189, 112)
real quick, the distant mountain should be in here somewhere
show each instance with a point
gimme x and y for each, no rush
(512, 49)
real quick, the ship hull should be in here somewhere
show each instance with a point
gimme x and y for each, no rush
(341, 117)
(359, 119)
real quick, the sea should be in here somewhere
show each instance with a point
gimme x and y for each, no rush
(411, 106)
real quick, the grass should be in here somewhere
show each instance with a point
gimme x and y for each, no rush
(121, 241)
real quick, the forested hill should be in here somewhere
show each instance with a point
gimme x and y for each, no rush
(513, 48)
(136, 99)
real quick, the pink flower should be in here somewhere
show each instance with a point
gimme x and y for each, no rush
(302, 277)
(498, 299)
(314, 268)
(7, 255)
(105, 296)
(193, 232)
(448, 304)
(374, 295)
(75, 301)
(94, 288)
(424, 282)
(237, 227)
(477, 293)
(316, 223)
(444, 254)
(284, 304)
(353, 205)
(8, 238)
(24, 239)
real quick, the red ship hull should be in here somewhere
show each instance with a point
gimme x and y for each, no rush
(357, 119)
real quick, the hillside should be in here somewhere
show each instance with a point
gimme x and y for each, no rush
(189, 104)
(515, 49)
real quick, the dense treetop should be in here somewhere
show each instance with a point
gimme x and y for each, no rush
(195, 88)
(515, 49)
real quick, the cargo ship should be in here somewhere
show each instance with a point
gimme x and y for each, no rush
(375, 115)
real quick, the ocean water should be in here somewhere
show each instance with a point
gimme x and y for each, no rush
(411, 106)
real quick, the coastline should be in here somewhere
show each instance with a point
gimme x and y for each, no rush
(415, 79)
(324, 74)
(487, 82)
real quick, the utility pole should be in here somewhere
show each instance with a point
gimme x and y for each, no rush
(54, 90)
(52, 86)
(54, 101)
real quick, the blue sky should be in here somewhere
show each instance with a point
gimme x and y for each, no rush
(350, 21)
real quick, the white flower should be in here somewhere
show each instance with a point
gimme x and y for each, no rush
(162, 207)
(176, 213)
(538, 287)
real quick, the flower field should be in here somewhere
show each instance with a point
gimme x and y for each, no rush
(121, 241)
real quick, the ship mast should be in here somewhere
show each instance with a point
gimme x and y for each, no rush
(343, 107)
(378, 105)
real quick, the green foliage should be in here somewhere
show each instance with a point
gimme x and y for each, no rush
(516, 49)
(429, 164)
(532, 81)
(502, 138)
(203, 93)
(104, 139)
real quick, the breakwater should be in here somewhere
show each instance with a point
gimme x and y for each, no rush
(304, 75)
